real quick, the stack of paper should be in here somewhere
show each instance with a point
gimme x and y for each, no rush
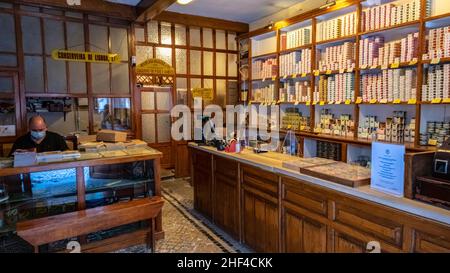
(25, 159)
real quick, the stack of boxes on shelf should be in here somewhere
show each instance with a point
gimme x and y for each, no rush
(338, 27)
(343, 126)
(438, 43)
(437, 83)
(375, 52)
(329, 150)
(338, 57)
(294, 120)
(264, 69)
(390, 15)
(395, 129)
(295, 91)
(389, 86)
(436, 134)
(295, 38)
(335, 88)
(264, 93)
(297, 62)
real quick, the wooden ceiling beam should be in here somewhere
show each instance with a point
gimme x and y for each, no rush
(148, 9)
(200, 21)
(89, 6)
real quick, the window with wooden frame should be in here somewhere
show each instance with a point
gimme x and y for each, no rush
(202, 57)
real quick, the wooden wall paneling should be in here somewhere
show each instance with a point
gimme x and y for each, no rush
(91, 99)
(21, 72)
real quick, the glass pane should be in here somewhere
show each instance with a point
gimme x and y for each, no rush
(164, 54)
(120, 80)
(232, 65)
(100, 78)
(140, 34)
(119, 42)
(181, 62)
(208, 83)
(195, 61)
(7, 118)
(148, 128)
(75, 36)
(8, 33)
(148, 101)
(6, 85)
(8, 60)
(182, 91)
(166, 33)
(164, 129)
(56, 76)
(221, 90)
(122, 114)
(194, 36)
(221, 64)
(54, 35)
(34, 78)
(180, 35)
(208, 63)
(220, 39)
(195, 83)
(6, 5)
(74, 14)
(152, 32)
(31, 34)
(164, 101)
(98, 38)
(29, 8)
(77, 81)
(232, 41)
(232, 96)
(82, 117)
(97, 18)
(143, 53)
(112, 114)
(54, 12)
(207, 38)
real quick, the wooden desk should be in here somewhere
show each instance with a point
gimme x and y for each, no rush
(79, 165)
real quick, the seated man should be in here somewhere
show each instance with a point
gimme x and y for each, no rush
(39, 139)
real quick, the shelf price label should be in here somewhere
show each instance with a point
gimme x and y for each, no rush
(432, 142)
(294, 76)
(347, 102)
(328, 72)
(341, 71)
(364, 66)
(316, 73)
(385, 67)
(350, 70)
(373, 101)
(397, 101)
(384, 101)
(412, 101)
(274, 78)
(374, 67)
(308, 103)
(314, 103)
(338, 102)
(285, 77)
(395, 65)
(331, 102)
(322, 103)
(413, 62)
(446, 100)
(358, 100)
(303, 75)
(296, 102)
(435, 61)
(436, 101)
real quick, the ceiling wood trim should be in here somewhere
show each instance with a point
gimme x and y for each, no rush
(88, 6)
(200, 21)
(149, 9)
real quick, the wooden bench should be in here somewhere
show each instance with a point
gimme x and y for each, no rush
(45, 230)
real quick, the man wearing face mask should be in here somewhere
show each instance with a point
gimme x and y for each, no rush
(38, 139)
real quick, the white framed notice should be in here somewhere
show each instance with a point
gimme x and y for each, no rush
(388, 168)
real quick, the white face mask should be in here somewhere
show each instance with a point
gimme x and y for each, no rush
(38, 135)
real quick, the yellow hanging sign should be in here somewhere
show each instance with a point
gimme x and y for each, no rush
(155, 66)
(204, 93)
(87, 57)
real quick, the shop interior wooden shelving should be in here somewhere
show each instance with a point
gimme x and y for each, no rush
(357, 6)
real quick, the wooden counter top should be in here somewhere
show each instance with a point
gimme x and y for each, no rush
(273, 162)
(73, 163)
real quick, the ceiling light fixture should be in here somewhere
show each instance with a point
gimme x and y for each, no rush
(328, 4)
(184, 2)
(270, 25)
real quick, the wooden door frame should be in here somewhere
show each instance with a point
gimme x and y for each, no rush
(19, 105)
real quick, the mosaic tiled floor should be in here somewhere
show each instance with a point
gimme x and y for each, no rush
(186, 231)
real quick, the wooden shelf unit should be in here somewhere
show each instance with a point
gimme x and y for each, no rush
(358, 4)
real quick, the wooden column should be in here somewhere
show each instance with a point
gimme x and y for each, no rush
(157, 178)
(81, 189)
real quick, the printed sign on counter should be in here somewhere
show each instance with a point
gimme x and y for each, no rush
(388, 168)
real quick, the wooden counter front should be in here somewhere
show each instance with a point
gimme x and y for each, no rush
(279, 211)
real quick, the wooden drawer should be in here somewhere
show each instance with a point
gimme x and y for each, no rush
(260, 180)
(370, 219)
(427, 243)
(299, 194)
(226, 167)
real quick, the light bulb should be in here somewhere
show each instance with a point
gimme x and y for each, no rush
(183, 2)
